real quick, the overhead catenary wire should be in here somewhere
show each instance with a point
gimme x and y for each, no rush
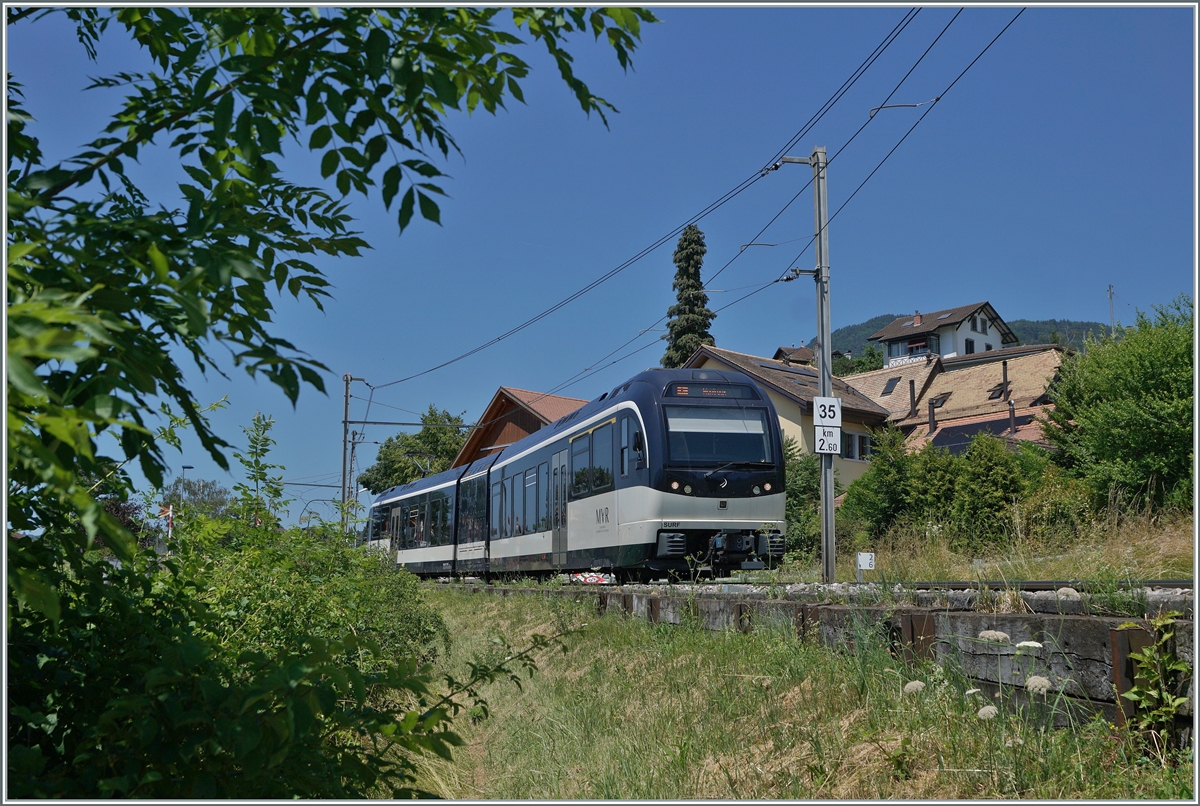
(785, 275)
(593, 369)
(729, 195)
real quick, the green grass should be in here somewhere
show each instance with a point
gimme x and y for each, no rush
(639, 711)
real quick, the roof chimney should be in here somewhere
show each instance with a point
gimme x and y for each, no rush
(917, 318)
(1012, 419)
(932, 419)
(1004, 370)
(912, 398)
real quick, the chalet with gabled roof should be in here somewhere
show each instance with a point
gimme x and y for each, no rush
(513, 414)
(950, 333)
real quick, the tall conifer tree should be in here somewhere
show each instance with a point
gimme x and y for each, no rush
(689, 318)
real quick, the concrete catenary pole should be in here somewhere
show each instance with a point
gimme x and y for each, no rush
(820, 274)
(824, 352)
(346, 379)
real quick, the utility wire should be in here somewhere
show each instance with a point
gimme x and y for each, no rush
(593, 369)
(782, 278)
(737, 190)
(785, 276)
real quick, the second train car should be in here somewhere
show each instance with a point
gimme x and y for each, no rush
(671, 473)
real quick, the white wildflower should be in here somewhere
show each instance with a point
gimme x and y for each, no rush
(995, 636)
(1029, 645)
(971, 691)
(987, 712)
(1014, 742)
(1037, 685)
(914, 687)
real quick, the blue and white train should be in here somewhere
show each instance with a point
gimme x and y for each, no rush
(672, 472)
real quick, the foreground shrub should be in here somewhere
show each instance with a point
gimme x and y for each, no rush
(127, 695)
(273, 586)
(1123, 409)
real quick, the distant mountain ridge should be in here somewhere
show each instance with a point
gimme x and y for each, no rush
(1068, 332)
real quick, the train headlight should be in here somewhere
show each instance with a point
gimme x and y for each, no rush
(756, 489)
(687, 488)
(767, 486)
(674, 485)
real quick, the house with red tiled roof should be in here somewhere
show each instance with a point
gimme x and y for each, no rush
(512, 414)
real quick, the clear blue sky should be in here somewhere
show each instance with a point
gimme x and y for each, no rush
(1061, 162)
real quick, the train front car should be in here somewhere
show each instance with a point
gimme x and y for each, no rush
(712, 496)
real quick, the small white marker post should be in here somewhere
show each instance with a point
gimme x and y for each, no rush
(866, 562)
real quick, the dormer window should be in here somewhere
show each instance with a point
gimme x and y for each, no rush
(996, 392)
(890, 386)
(940, 400)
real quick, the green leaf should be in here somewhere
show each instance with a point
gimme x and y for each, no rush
(320, 138)
(222, 117)
(429, 209)
(329, 163)
(406, 208)
(157, 259)
(391, 185)
(32, 590)
(376, 49)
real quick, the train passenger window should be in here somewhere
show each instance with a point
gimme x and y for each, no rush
(624, 460)
(506, 508)
(602, 457)
(543, 515)
(412, 527)
(435, 520)
(497, 497)
(531, 499)
(581, 465)
(514, 506)
(554, 501)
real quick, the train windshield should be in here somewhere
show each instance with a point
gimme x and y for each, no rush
(701, 436)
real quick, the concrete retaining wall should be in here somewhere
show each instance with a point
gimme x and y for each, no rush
(1085, 657)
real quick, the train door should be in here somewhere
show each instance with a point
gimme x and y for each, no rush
(558, 508)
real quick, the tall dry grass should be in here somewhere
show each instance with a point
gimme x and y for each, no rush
(640, 711)
(1128, 547)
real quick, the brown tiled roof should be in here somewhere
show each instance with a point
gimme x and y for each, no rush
(797, 355)
(1029, 429)
(511, 415)
(547, 407)
(931, 321)
(956, 362)
(872, 384)
(796, 383)
(969, 388)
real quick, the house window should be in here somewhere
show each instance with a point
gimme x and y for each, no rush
(996, 391)
(890, 386)
(848, 445)
(983, 325)
(968, 346)
(974, 324)
(941, 399)
(987, 347)
(864, 447)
